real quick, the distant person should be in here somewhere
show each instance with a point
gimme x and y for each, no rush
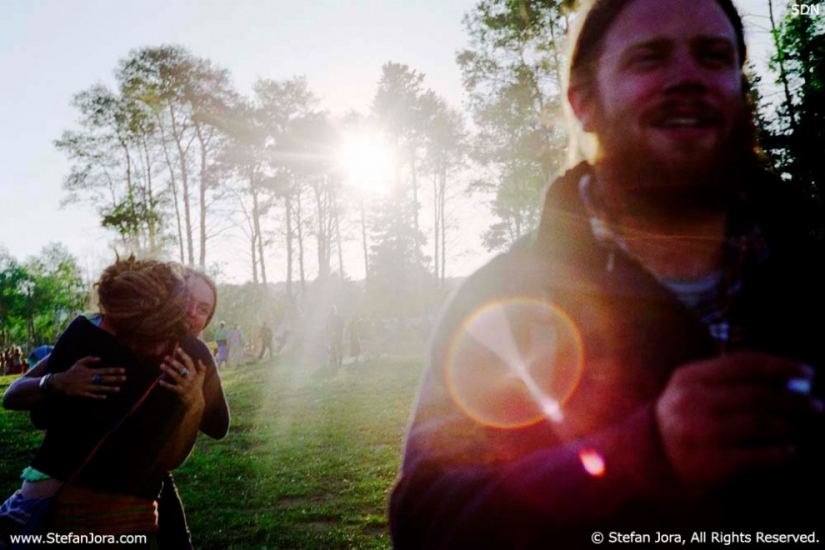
(290, 324)
(14, 363)
(335, 336)
(5, 359)
(237, 343)
(222, 340)
(354, 338)
(266, 341)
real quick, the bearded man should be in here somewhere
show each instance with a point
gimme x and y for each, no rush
(644, 365)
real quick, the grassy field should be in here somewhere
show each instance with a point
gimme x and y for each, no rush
(309, 461)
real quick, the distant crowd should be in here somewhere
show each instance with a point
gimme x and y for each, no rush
(15, 362)
(333, 336)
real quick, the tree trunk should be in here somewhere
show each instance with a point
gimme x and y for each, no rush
(364, 243)
(203, 142)
(340, 248)
(252, 243)
(289, 236)
(414, 187)
(184, 177)
(323, 237)
(436, 232)
(150, 200)
(256, 220)
(442, 205)
(174, 185)
(299, 228)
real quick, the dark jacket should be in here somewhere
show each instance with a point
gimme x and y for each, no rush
(464, 484)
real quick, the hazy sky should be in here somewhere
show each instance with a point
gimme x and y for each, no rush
(52, 49)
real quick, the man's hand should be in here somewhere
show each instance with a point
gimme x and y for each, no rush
(733, 414)
(187, 378)
(82, 381)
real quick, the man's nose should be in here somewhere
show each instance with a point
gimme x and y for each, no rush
(685, 73)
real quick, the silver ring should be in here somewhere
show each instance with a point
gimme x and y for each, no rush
(184, 372)
(97, 379)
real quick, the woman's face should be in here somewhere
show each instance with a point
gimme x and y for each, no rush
(201, 304)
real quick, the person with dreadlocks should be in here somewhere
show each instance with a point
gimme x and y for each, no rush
(141, 323)
(85, 380)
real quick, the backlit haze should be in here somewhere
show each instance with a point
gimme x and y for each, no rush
(52, 49)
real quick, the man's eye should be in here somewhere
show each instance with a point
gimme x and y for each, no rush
(717, 58)
(646, 59)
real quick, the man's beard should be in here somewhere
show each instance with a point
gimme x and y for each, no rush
(701, 181)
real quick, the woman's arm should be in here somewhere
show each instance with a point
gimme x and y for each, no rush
(215, 422)
(186, 378)
(80, 380)
(24, 393)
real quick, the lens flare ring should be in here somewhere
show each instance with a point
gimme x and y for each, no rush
(514, 362)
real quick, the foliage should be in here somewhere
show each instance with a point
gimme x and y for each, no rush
(39, 297)
(795, 136)
(398, 277)
(429, 141)
(446, 143)
(512, 73)
(146, 151)
(104, 160)
(172, 154)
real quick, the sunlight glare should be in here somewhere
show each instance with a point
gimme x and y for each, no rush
(367, 163)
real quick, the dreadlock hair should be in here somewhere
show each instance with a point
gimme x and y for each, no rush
(144, 300)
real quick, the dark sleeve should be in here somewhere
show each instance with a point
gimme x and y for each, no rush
(464, 485)
(529, 500)
(61, 359)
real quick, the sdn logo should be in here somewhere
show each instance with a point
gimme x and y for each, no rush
(806, 9)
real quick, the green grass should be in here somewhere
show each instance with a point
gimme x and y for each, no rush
(308, 463)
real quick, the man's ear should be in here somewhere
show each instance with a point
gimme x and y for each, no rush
(582, 105)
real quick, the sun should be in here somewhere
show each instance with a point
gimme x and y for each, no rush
(367, 163)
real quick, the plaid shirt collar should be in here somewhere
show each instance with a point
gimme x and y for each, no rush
(746, 248)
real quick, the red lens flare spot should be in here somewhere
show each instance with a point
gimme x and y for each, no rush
(592, 461)
(514, 363)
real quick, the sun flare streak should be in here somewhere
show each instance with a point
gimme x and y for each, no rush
(497, 337)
